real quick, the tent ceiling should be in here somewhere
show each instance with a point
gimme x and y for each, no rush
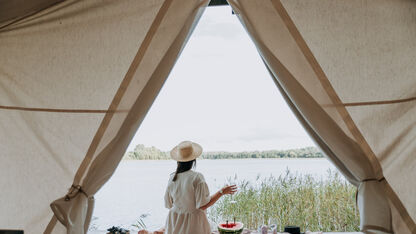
(14, 9)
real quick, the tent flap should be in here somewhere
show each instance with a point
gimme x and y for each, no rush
(61, 70)
(347, 61)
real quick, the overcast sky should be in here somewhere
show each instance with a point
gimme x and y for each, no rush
(220, 95)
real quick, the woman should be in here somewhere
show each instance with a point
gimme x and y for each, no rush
(187, 195)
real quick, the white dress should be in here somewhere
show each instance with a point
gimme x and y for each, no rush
(183, 198)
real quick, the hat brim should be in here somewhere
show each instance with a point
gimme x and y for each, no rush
(196, 152)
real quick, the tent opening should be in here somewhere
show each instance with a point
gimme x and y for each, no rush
(77, 79)
(220, 95)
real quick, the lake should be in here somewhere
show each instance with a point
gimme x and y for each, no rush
(137, 187)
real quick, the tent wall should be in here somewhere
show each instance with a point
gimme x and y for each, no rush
(76, 80)
(347, 61)
(61, 60)
(367, 51)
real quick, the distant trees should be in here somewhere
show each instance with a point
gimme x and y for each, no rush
(308, 152)
(142, 152)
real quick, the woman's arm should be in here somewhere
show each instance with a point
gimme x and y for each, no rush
(214, 198)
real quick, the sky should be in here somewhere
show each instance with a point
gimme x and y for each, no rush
(220, 95)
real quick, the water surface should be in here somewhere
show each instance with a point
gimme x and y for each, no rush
(137, 187)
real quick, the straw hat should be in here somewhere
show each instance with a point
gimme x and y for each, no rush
(186, 151)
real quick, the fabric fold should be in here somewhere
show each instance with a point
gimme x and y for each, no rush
(337, 145)
(76, 212)
(371, 199)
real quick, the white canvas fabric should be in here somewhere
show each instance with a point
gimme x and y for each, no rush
(345, 70)
(78, 77)
(76, 81)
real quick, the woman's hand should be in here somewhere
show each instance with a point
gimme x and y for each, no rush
(229, 189)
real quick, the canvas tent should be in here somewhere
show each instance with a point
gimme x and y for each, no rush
(77, 78)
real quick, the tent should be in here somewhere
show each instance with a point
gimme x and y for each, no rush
(77, 78)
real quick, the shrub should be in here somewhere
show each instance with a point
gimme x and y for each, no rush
(313, 204)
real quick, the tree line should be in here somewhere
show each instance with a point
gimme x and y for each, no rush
(142, 152)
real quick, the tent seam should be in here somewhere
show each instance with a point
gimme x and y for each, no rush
(57, 110)
(394, 101)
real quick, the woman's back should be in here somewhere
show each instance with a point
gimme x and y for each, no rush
(184, 197)
(187, 193)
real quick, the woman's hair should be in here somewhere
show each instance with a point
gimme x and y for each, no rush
(184, 166)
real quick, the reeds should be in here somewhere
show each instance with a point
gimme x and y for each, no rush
(326, 204)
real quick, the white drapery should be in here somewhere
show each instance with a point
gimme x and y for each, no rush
(77, 78)
(322, 57)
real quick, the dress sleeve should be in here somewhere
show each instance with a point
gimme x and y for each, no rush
(202, 196)
(168, 199)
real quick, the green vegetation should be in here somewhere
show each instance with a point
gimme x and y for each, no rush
(142, 152)
(316, 205)
(308, 152)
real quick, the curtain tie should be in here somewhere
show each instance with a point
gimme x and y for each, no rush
(373, 179)
(74, 191)
(366, 180)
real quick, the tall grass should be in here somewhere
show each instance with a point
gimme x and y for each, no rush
(302, 200)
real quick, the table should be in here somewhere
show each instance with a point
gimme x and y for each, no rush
(252, 232)
(256, 232)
